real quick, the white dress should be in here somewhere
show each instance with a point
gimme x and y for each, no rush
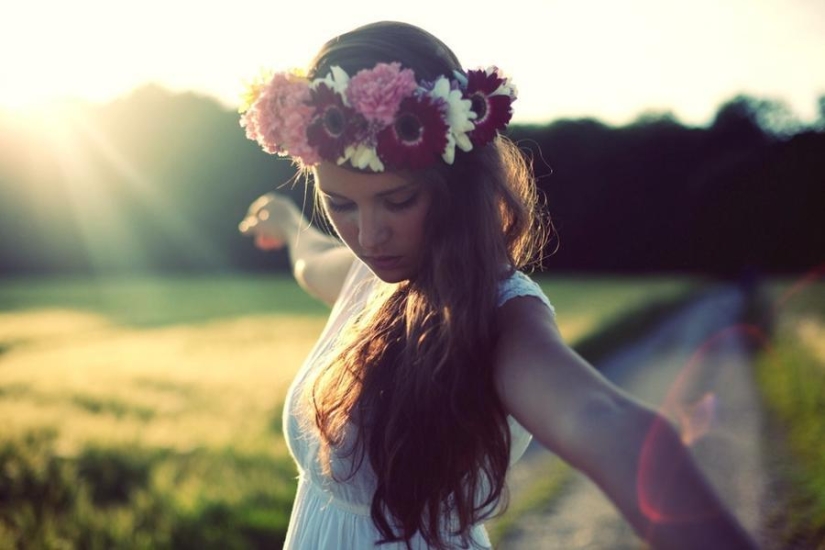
(328, 515)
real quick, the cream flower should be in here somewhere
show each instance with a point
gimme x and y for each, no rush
(459, 117)
(362, 156)
(506, 87)
(253, 90)
(337, 80)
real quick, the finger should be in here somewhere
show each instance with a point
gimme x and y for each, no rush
(260, 202)
(247, 225)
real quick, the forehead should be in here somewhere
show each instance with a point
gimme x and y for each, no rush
(332, 179)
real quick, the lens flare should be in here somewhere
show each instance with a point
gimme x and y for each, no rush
(703, 401)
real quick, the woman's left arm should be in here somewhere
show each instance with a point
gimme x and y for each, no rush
(631, 452)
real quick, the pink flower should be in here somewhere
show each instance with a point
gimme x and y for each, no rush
(377, 93)
(279, 117)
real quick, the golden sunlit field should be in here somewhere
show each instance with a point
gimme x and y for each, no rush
(147, 413)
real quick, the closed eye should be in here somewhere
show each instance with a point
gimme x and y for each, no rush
(339, 206)
(391, 205)
(396, 206)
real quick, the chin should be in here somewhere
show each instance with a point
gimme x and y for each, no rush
(390, 277)
(393, 275)
(396, 270)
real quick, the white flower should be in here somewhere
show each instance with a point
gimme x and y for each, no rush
(362, 156)
(459, 117)
(506, 87)
(449, 151)
(337, 80)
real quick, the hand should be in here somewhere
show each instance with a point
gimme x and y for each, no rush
(271, 219)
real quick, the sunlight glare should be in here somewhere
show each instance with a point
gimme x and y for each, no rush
(608, 60)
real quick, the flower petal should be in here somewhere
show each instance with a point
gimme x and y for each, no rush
(376, 93)
(459, 117)
(418, 136)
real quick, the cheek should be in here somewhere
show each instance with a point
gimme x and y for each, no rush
(345, 227)
(419, 223)
(415, 227)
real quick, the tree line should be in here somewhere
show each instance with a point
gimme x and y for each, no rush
(157, 182)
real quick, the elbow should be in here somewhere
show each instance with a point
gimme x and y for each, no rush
(300, 271)
(303, 276)
(613, 428)
(314, 281)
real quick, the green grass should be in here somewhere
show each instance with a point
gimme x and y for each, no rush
(139, 497)
(146, 413)
(791, 375)
(157, 301)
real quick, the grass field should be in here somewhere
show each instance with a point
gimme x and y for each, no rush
(146, 413)
(791, 374)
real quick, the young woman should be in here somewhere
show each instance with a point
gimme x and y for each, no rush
(440, 358)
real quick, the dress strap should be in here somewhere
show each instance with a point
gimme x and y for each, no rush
(519, 284)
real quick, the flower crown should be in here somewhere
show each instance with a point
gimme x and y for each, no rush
(381, 118)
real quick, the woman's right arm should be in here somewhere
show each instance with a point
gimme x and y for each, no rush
(632, 452)
(320, 262)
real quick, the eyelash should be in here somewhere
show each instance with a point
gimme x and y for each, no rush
(394, 206)
(339, 207)
(403, 205)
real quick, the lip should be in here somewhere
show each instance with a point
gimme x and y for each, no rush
(383, 262)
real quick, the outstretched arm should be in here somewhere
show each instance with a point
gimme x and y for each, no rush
(320, 262)
(631, 452)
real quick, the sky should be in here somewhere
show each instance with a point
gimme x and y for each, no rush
(611, 60)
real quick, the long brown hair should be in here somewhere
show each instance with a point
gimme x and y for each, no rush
(413, 373)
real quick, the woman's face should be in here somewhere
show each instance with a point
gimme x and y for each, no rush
(380, 217)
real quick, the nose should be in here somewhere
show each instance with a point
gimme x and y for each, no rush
(373, 231)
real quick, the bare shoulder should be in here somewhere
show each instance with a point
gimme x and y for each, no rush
(525, 327)
(525, 312)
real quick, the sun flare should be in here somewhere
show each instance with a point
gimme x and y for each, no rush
(569, 60)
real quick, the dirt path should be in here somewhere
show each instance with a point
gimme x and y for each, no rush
(694, 357)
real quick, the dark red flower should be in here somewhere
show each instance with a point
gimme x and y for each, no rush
(418, 136)
(493, 112)
(333, 124)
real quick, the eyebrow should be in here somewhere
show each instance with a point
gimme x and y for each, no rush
(381, 194)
